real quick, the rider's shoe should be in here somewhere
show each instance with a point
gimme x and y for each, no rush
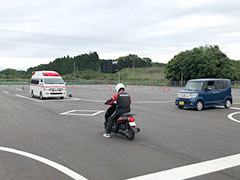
(106, 135)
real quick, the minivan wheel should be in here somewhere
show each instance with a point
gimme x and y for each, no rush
(199, 105)
(227, 104)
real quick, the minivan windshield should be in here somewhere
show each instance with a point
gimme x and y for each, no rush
(53, 81)
(194, 86)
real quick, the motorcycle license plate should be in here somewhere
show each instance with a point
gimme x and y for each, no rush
(181, 102)
(132, 123)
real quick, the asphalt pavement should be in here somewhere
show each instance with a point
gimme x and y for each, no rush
(54, 138)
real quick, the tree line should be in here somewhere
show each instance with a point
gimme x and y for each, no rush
(200, 62)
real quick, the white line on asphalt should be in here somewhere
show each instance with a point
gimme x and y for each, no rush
(194, 170)
(236, 108)
(71, 113)
(32, 99)
(64, 113)
(230, 116)
(48, 162)
(18, 89)
(5, 92)
(151, 102)
(97, 113)
(91, 100)
(134, 102)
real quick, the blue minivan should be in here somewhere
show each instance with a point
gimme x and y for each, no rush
(202, 93)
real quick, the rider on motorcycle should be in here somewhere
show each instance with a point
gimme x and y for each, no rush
(120, 104)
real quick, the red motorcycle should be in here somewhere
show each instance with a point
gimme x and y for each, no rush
(125, 126)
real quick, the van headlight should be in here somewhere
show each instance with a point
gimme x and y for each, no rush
(187, 95)
(193, 95)
(46, 89)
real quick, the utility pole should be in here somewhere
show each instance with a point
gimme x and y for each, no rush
(119, 77)
(181, 76)
(74, 72)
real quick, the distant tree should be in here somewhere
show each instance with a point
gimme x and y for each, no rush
(133, 61)
(66, 65)
(202, 62)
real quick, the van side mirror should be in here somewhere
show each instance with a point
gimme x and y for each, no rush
(65, 83)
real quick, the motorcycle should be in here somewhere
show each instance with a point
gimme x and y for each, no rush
(125, 126)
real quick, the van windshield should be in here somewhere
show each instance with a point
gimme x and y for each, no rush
(194, 86)
(53, 81)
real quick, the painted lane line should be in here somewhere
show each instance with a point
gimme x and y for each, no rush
(235, 108)
(48, 162)
(73, 113)
(24, 97)
(32, 99)
(194, 170)
(65, 113)
(97, 113)
(230, 116)
(134, 102)
(19, 89)
(5, 92)
(91, 100)
(151, 102)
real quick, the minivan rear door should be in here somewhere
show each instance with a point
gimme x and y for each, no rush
(220, 91)
(210, 95)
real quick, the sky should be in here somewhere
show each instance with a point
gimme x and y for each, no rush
(37, 32)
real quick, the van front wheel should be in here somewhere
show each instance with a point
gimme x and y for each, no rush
(227, 104)
(32, 95)
(199, 105)
(41, 96)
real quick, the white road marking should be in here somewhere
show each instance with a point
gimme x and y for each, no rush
(19, 89)
(5, 92)
(151, 102)
(91, 100)
(134, 102)
(32, 99)
(236, 108)
(48, 162)
(194, 170)
(71, 113)
(230, 116)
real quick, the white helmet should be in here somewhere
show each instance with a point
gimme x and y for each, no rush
(119, 86)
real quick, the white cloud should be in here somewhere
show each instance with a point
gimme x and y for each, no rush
(158, 29)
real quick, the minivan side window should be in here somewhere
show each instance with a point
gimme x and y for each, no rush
(218, 85)
(210, 84)
(225, 84)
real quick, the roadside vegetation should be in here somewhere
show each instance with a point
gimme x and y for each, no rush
(200, 62)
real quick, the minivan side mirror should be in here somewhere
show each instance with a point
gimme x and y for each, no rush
(65, 83)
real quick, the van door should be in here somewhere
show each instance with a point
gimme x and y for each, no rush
(220, 92)
(210, 94)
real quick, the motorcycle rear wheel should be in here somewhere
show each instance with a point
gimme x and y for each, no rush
(130, 134)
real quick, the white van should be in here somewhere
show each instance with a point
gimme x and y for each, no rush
(46, 84)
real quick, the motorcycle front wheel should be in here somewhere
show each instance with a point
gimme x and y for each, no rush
(130, 134)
